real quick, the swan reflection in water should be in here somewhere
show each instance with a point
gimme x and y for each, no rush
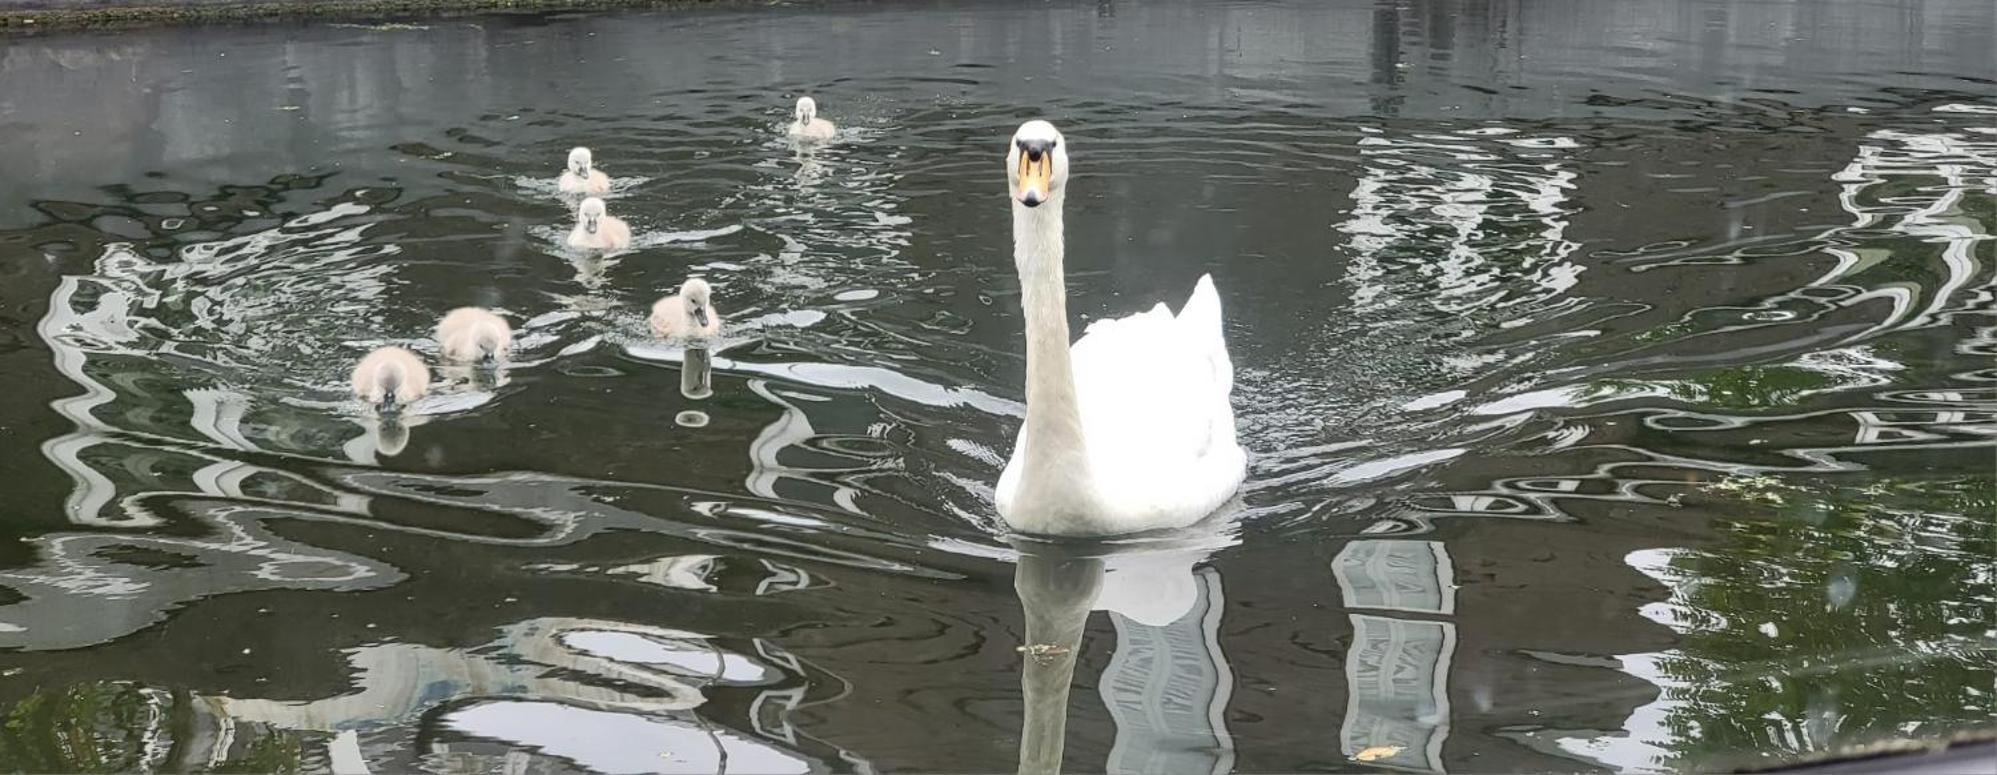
(1167, 684)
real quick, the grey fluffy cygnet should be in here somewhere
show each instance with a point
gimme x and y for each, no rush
(808, 126)
(472, 335)
(688, 314)
(581, 176)
(390, 378)
(597, 230)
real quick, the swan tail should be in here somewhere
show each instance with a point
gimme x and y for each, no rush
(1200, 320)
(1201, 315)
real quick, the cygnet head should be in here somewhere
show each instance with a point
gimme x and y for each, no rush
(807, 109)
(1037, 163)
(590, 214)
(695, 293)
(580, 161)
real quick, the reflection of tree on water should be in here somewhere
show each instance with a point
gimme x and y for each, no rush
(1876, 626)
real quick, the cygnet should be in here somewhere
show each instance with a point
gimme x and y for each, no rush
(596, 230)
(808, 125)
(390, 378)
(582, 177)
(688, 314)
(473, 334)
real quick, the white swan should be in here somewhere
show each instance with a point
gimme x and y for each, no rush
(391, 377)
(582, 177)
(1130, 429)
(471, 334)
(688, 314)
(808, 125)
(596, 230)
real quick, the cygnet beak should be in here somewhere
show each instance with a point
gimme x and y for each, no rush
(700, 314)
(589, 224)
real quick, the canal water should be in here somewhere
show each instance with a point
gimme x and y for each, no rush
(1619, 382)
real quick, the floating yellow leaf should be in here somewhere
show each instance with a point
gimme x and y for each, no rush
(1377, 752)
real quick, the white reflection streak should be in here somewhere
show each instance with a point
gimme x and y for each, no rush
(1960, 164)
(93, 489)
(791, 429)
(1396, 198)
(399, 681)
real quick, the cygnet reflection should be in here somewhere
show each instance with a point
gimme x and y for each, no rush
(382, 435)
(697, 373)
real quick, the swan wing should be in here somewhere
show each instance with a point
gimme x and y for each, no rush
(1154, 390)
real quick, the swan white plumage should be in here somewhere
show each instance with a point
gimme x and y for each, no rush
(808, 126)
(597, 230)
(581, 176)
(1132, 428)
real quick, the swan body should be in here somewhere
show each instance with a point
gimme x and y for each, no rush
(596, 230)
(808, 126)
(390, 377)
(470, 334)
(688, 314)
(1131, 428)
(581, 176)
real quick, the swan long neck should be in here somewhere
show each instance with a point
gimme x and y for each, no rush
(1055, 595)
(1053, 416)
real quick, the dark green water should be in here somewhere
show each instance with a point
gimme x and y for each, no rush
(1619, 380)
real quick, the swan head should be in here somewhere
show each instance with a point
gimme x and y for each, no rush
(580, 161)
(695, 292)
(807, 109)
(1037, 163)
(590, 215)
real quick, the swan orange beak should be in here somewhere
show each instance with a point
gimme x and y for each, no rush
(1036, 173)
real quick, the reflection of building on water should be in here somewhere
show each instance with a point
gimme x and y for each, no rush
(1459, 221)
(1168, 685)
(1397, 672)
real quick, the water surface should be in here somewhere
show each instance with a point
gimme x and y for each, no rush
(1618, 381)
